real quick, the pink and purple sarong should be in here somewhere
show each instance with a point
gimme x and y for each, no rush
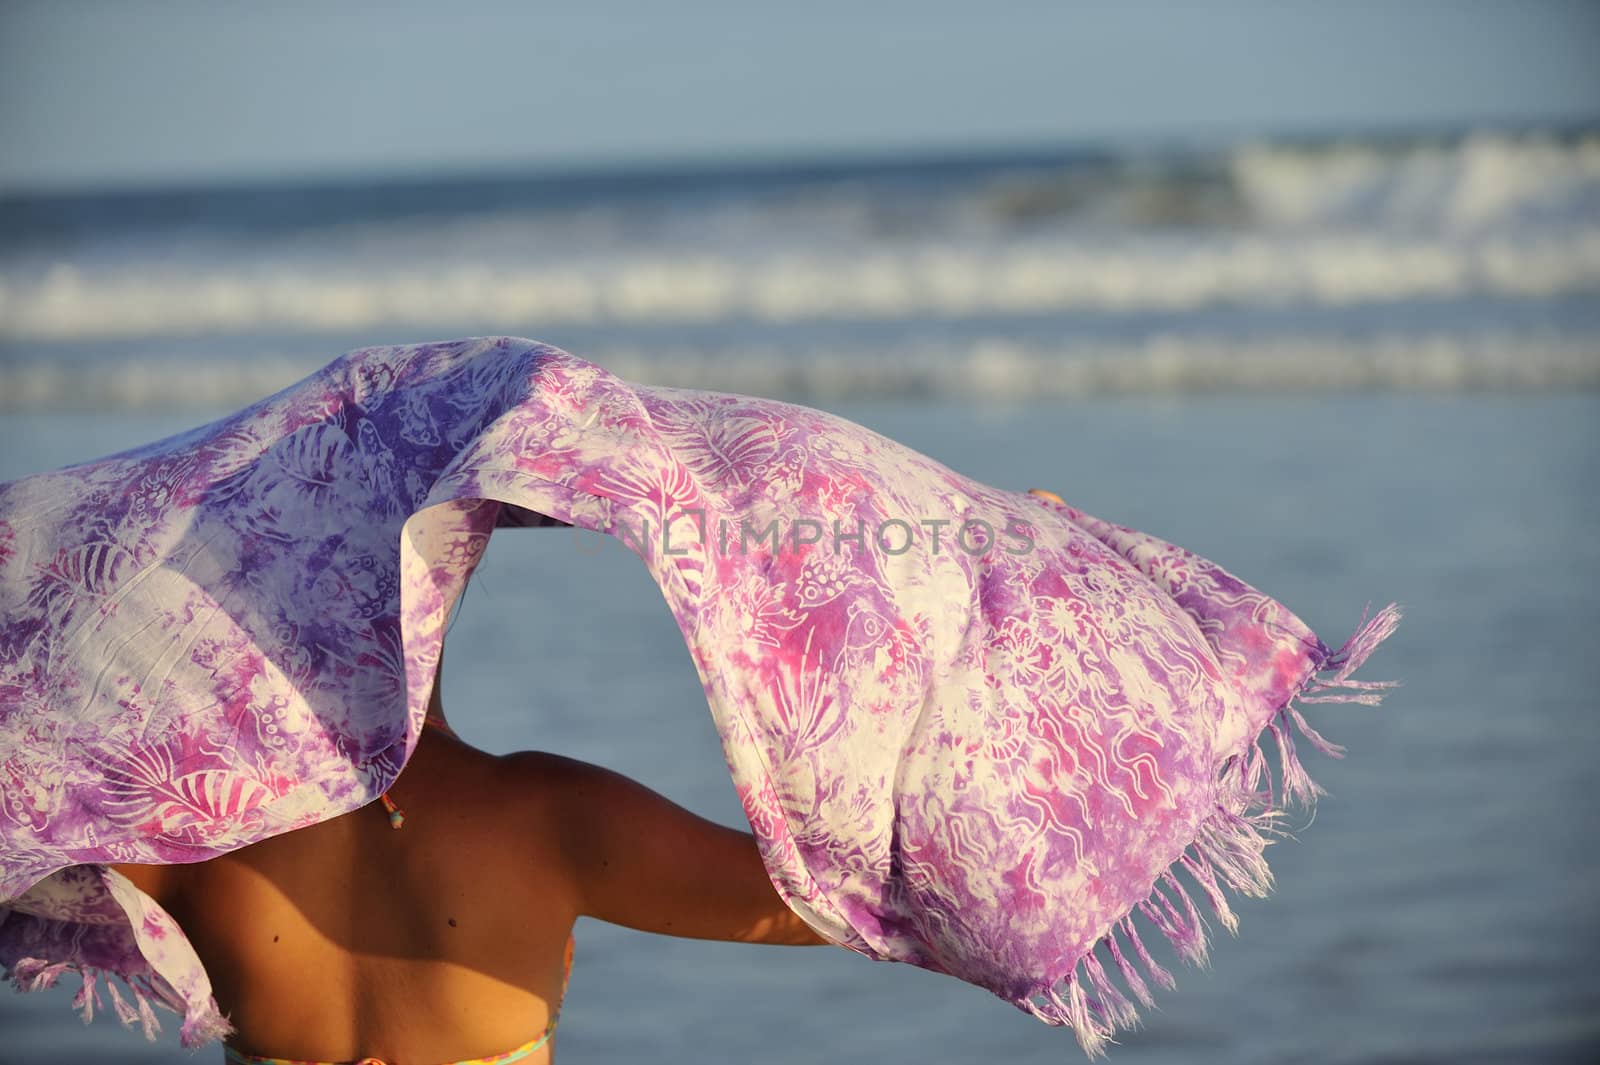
(973, 730)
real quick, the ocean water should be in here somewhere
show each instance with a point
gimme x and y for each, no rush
(1463, 261)
(1351, 371)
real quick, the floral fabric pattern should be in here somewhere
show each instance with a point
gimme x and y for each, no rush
(974, 730)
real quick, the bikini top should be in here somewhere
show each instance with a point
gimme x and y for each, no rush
(397, 819)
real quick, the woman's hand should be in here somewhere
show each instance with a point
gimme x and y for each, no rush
(639, 860)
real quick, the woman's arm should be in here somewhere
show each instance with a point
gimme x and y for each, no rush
(639, 860)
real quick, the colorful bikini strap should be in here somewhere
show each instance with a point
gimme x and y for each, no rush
(397, 816)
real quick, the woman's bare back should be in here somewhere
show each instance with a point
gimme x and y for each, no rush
(446, 939)
(440, 941)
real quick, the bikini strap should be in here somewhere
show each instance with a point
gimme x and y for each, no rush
(397, 816)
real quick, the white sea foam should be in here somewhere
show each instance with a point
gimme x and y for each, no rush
(1261, 225)
(883, 283)
(990, 370)
(1486, 180)
(823, 286)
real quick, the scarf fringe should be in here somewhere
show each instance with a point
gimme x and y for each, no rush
(1228, 849)
(202, 1023)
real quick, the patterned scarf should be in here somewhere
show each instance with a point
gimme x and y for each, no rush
(973, 729)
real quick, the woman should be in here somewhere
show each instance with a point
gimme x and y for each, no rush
(436, 932)
(973, 729)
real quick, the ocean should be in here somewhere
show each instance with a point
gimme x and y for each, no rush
(1351, 372)
(1464, 261)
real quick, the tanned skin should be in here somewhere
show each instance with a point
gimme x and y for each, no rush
(445, 939)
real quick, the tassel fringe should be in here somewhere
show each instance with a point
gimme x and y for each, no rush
(1227, 850)
(202, 1023)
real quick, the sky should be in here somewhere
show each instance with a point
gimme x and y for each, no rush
(112, 93)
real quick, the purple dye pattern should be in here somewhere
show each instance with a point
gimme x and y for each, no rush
(983, 759)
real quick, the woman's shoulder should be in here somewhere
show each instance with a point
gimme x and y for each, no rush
(543, 782)
(537, 789)
(571, 807)
(578, 789)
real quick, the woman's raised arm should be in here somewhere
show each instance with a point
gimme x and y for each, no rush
(640, 860)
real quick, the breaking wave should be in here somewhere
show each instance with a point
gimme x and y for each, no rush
(1332, 224)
